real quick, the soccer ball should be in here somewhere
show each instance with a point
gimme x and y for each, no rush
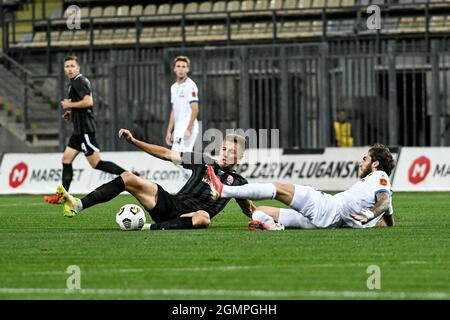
(130, 217)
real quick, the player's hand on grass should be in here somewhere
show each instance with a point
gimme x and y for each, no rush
(67, 115)
(126, 134)
(169, 138)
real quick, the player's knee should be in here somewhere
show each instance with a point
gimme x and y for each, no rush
(201, 219)
(284, 190)
(129, 178)
(94, 164)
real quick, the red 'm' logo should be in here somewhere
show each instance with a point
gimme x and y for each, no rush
(18, 175)
(419, 170)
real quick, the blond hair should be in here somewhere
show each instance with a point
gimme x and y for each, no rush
(183, 59)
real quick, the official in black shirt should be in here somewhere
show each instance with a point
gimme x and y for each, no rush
(78, 109)
(192, 206)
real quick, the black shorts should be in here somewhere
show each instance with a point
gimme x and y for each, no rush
(85, 143)
(165, 208)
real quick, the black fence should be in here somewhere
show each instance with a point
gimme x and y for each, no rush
(393, 94)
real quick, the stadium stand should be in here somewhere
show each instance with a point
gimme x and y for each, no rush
(251, 14)
(142, 31)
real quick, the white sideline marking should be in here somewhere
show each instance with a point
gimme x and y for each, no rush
(23, 204)
(242, 293)
(137, 270)
(209, 269)
(414, 262)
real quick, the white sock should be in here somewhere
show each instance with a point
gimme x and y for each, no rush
(262, 216)
(252, 191)
(79, 205)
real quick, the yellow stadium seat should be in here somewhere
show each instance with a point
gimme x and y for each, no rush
(103, 37)
(39, 40)
(177, 8)
(233, 5)
(150, 10)
(437, 24)
(219, 8)
(136, 10)
(218, 33)
(205, 6)
(123, 11)
(80, 38)
(318, 3)
(244, 32)
(262, 5)
(191, 7)
(275, 4)
(147, 34)
(163, 9)
(347, 3)
(290, 4)
(109, 11)
(304, 4)
(96, 12)
(66, 38)
(197, 34)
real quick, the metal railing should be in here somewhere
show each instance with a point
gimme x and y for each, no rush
(392, 94)
(25, 75)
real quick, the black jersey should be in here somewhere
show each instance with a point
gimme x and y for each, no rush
(196, 194)
(83, 119)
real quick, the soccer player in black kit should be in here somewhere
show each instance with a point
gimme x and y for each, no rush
(79, 109)
(191, 207)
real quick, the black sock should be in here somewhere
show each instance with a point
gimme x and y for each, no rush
(177, 223)
(67, 175)
(109, 167)
(104, 193)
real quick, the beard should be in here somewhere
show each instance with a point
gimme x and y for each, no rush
(365, 172)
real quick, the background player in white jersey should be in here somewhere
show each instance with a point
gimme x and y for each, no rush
(361, 206)
(183, 117)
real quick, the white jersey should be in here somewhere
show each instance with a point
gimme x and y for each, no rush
(181, 97)
(362, 196)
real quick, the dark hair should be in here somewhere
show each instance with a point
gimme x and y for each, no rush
(382, 154)
(74, 58)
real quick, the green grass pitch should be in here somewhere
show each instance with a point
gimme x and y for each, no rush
(225, 261)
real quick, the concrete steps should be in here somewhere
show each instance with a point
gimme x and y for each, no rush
(43, 115)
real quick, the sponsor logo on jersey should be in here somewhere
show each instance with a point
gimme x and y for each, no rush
(230, 180)
(194, 94)
(383, 182)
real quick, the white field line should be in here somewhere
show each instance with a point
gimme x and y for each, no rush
(415, 262)
(209, 269)
(139, 270)
(241, 293)
(23, 204)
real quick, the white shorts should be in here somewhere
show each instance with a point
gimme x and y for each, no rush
(294, 219)
(182, 145)
(321, 209)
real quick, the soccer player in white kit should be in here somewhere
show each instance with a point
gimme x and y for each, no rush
(361, 206)
(183, 117)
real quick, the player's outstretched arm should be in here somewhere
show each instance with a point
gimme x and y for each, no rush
(152, 149)
(382, 205)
